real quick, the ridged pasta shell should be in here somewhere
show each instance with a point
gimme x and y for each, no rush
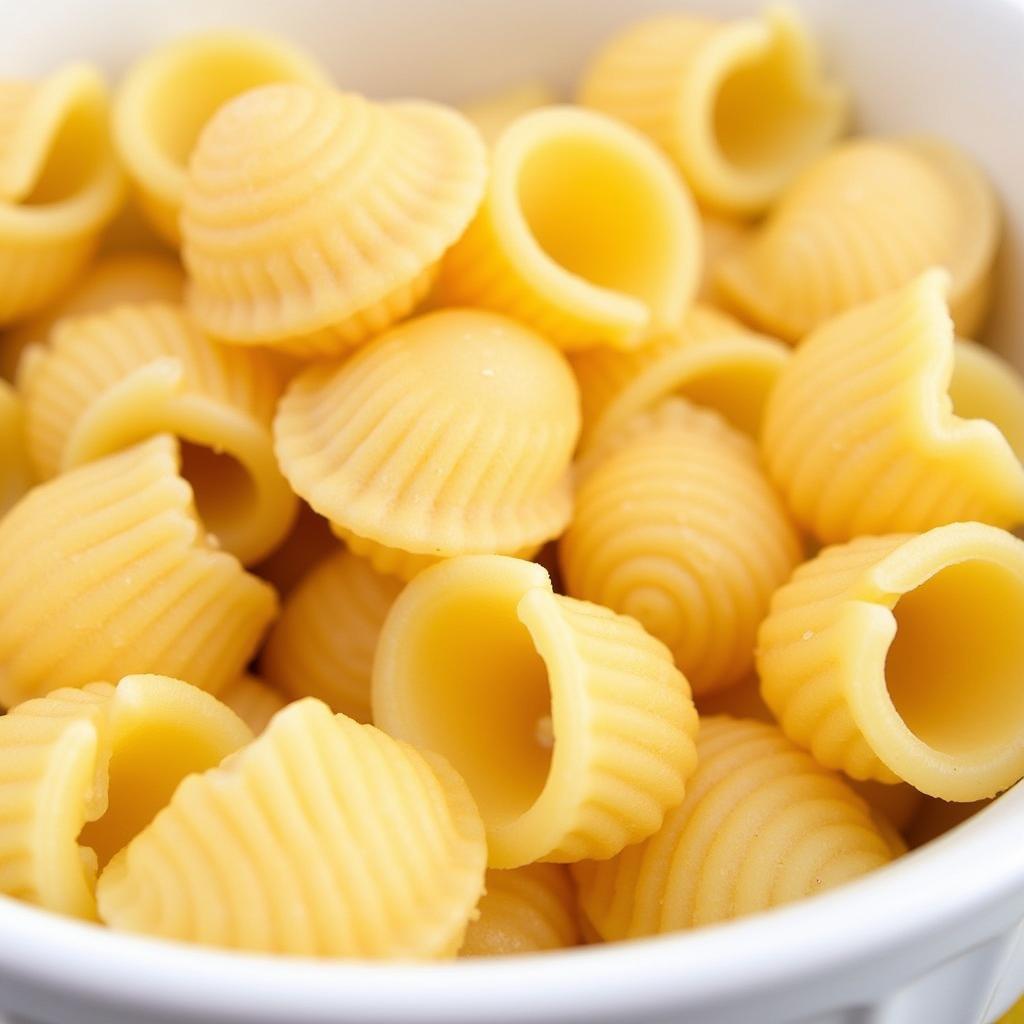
(323, 643)
(322, 838)
(314, 219)
(762, 824)
(740, 105)
(585, 234)
(860, 434)
(494, 113)
(253, 701)
(898, 657)
(108, 379)
(83, 770)
(15, 471)
(572, 727)
(677, 526)
(310, 541)
(449, 434)
(108, 572)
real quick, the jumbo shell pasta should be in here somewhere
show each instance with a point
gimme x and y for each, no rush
(322, 838)
(861, 436)
(15, 471)
(740, 105)
(898, 657)
(572, 727)
(762, 824)
(109, 379)
(314, 219)
(253, 700)
(108, 572)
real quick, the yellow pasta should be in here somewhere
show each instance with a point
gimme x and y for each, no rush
(449, 434)
(722, 237)
(572, 727)
(762, 824)
(862, 438)
(322, 838)
(526, 910)
(108, 572)
(899, 657)
(323, 643)
(494, 113)
(82, 771)
(866, 218)
(310, 541)
(15, 471)
(677, 526)
(739, 105)
(168, 96)
(986, 387)
(252, 700)
(314, 219)
(585, 234)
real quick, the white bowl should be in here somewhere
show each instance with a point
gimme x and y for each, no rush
(938, 937)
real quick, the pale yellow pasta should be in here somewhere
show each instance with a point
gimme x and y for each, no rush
(740, 105)
(314, 219)
(676, 525)
(323, 643)
(860, 433)
(322, 838)
(252, 700)
(585, 234)
(762, 824)
(450, 434)
(572, 727)
(167, 97)
(722, 237)
(15, 470)
(899, 657)
(492, 114)
(82, 771)
(108, 572)
(986, 387)
(309, 541)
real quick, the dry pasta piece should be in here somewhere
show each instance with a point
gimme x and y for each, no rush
(677, 526)
(15, 471)
(862, 438)
(494, 113)
(314, 219)
(322, 838)
(309, 541)
(986, 387)
(108, 572)
(740, 105)
(168, 96)
(722, 237)
(108, 379)
(899, 657)
(82, 771)
(867, 218)
(572, 727)
(253, 701)
(59, 184)
(449, 434)
(524, 910)
(762, 824)
(323, 643)
(585, 234)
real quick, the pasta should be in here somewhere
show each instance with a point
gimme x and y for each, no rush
(83, 770)
(310, 541)
(861, 438)
(493, 114)
(474, 459)
(15, 472)
(722, 237)
(739, 105)
(572, 727)
(677, 526)
(252, 700)
(167, 97)
(314, 219)
(761, 825)
(986, 387)
(260, 853)
(899, 657)
(585, 234)
(108, 572)
(109, 379)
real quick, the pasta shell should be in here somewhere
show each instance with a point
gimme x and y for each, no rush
(449, 434)
(168, 96)
(310, 541)
(493, 114)
(15, 472)
(987, 387)
(861, 436)
(107, 571)
(322, 838)
(314, 219)
(253, 701)
(83, 770)
(898, 657)
(109, 379)
(761, 825)
(740, 105)
(585, 234)
(570, 724)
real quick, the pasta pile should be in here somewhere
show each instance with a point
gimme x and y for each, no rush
(453, 533)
